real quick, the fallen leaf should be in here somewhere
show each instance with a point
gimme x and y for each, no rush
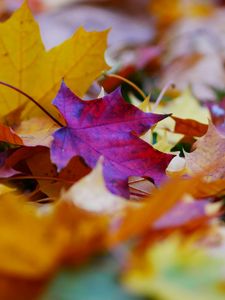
(36, 131)
(8, 135)
(185, 106)
(184, 213)
(91, 194)
(155, 206)
(31, 247)
(32, 132)
(52, 183)
(189, 127)
(175, 269)
(209, 151)
(88, 231)
(34, 243)
(78, 283)
(109, 127)
(26, 65)
(210, 189)
(158, 204)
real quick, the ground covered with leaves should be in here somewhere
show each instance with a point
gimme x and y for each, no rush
(112, 167)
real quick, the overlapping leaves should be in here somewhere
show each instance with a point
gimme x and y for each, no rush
(56, 211)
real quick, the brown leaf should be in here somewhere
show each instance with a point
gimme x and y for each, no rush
(8, 135)
(52, 183)
(209, 150)
(189, 127)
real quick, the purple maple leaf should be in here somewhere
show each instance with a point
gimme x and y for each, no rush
(108, 127)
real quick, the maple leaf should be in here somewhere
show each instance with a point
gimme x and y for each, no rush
(193, 112)
(159, 203)
(88, 230)
(175, 269)
(209, 151)
(36, 131)
(210, 189)
(37, 251)
(193, 109)
(9, 135)
(189, 127)
(34, 244)
(40, 166)
(155, 206)
(32, 132)
(27, 66)
(107, 127)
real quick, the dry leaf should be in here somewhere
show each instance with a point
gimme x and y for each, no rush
(209, 151)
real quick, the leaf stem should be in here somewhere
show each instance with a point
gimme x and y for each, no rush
(37, 178)
(32, 100)
(128, 82)
(163, 91)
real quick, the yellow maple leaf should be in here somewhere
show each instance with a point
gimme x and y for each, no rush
(31, 246)
(35, 241)
(174, 270)
(26, 65)
(88, 230)
(186, 106)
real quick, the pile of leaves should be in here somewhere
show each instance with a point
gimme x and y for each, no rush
(117, 197)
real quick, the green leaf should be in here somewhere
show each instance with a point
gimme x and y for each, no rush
(96, 281)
